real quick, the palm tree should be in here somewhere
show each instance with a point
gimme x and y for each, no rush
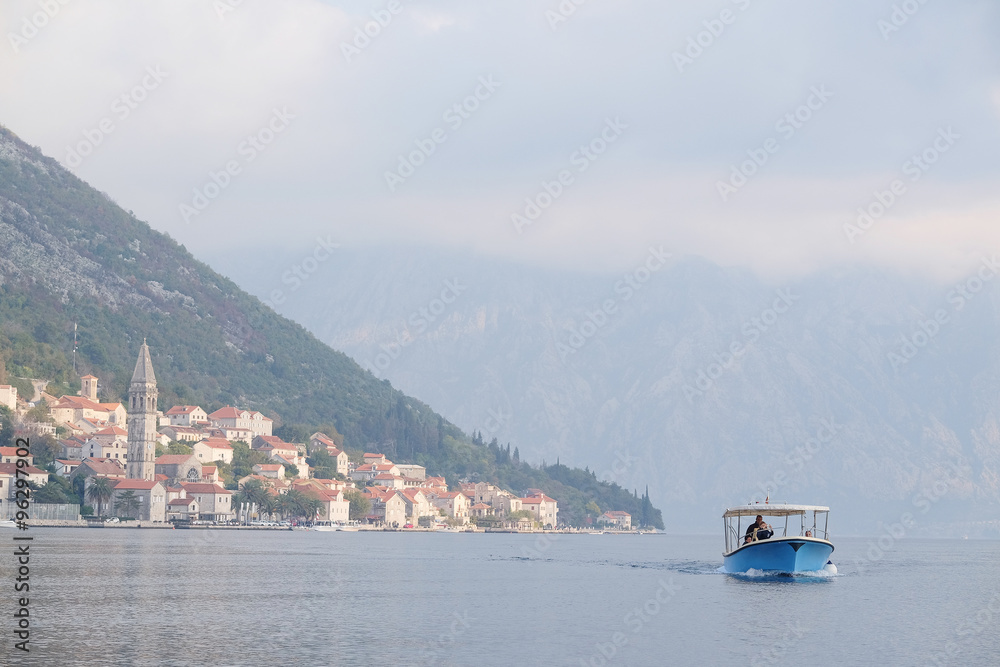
(268, 505)
(295, 504)
(127, 503)
(311, 507)
(254, 491)
(288, 503)
(100, 492)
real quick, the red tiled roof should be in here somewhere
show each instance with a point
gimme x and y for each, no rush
(11, 469)
(181, 429)
(112, 430)
(201, 487)
(78, 402)
(173, 459)
(228, 412)
(181, 501)
(182, 410)
(216, 443)
(103, 467)
(136, 484)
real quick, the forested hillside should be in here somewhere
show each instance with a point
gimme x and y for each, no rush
(70, 257)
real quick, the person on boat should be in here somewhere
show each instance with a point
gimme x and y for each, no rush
(758, 530)
(809, 533)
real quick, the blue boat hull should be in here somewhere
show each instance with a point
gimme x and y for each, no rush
(780, 554)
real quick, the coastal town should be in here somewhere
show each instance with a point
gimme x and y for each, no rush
(137, 464)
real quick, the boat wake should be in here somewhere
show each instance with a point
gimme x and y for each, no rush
(773, 575)
(693, 567)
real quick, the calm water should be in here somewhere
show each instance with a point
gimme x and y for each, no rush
(144, 597)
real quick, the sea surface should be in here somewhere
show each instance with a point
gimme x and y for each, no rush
(186, 597)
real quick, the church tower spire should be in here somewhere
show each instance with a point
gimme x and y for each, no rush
(142, 419)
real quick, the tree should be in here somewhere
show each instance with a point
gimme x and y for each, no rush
(39, 414)
(45, 449)
(57, 491)
(333, 433)
(295, 503)
(127, 504)
(6, 427)
(255, 492)
(292, 433)
(79, 483)
(361, 506)
(100, 492)
(288, 503)
(179, 448)
(244, 459)
(268, 506)
(593, 509)
(225, 471)
(313, 507)
(324, 466)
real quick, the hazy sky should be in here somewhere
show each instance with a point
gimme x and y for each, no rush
(838, 97)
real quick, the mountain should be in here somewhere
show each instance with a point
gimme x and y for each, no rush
(873, 392)
(71, 258)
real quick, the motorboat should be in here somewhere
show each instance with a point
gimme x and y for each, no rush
(347, 527)
(327, 526)
(787, 546)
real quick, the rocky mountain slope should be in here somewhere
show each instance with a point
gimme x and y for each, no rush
(872, 392)
(69, 256)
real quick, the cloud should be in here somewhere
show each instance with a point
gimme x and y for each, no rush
(359, 103)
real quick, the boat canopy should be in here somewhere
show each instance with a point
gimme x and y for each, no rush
(765, 509)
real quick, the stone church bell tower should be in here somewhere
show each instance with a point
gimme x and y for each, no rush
(142, 421)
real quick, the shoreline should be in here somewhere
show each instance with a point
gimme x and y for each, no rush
(131, 525)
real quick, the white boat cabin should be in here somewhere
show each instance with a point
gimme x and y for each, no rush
(815, 526)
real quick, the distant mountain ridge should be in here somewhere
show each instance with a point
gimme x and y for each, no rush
(853, 387)
(70, 256)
